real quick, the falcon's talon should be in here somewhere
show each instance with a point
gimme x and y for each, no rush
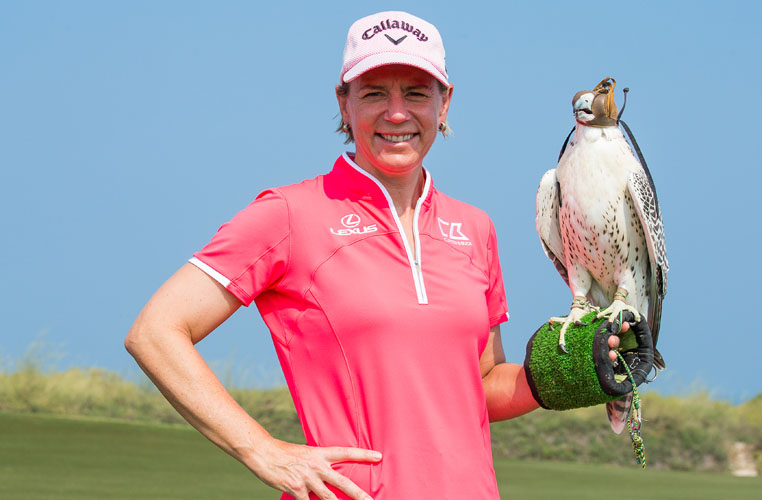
(615, 309)
(562, 339)
(575, 315)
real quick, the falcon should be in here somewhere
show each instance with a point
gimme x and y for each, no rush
(599, 222)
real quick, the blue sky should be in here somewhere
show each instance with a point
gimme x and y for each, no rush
(130, 131)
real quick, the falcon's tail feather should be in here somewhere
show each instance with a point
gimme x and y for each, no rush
(658, 360)
(618, 411)
(654, 323)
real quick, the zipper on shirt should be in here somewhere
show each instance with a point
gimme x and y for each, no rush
(417, 270)
(414, 260)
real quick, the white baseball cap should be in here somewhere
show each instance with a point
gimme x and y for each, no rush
(393, 38)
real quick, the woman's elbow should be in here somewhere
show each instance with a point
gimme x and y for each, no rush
(134, 340)
(139, 339)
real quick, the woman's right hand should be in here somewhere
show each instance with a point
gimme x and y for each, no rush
(298, 469)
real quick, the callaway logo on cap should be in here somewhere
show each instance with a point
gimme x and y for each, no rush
(393, 38)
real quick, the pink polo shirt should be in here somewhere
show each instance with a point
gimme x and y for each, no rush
(380, 347)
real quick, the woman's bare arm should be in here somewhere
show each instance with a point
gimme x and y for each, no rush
(183, 311)
(505, 384)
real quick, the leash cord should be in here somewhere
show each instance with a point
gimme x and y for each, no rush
(634, 421)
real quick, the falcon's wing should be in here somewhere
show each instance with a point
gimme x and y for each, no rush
(548, 227)
(642, 191)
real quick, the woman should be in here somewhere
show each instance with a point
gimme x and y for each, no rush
(384, 298)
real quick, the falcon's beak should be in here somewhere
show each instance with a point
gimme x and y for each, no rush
(583, 107)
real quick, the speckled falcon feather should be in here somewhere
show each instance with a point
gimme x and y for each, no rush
(641, 190)
(547, 222)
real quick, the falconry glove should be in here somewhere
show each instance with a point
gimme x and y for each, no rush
(586, 375)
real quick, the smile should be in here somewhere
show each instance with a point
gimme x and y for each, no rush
(397, 138)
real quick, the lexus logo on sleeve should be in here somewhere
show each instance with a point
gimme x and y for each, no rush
(351, 223)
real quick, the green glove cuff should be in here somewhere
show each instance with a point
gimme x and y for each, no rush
(585, 376)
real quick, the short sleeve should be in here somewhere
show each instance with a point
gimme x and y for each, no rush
(496, 302)
(250, 253)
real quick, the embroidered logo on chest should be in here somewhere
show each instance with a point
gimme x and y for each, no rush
(453, 233)
(351, 223)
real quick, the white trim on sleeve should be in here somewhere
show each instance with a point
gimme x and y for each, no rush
(211, 272)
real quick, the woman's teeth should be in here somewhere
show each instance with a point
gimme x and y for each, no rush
(397, 138)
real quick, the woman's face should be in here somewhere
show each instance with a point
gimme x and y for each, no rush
(394, 112)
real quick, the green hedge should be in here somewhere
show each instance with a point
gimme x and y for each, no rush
(681, 433)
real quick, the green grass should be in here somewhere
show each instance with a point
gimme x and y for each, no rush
(51, 457)
(543, 480)
(60, 458)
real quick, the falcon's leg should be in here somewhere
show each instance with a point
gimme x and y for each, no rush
(617, 307)
(579, 308)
